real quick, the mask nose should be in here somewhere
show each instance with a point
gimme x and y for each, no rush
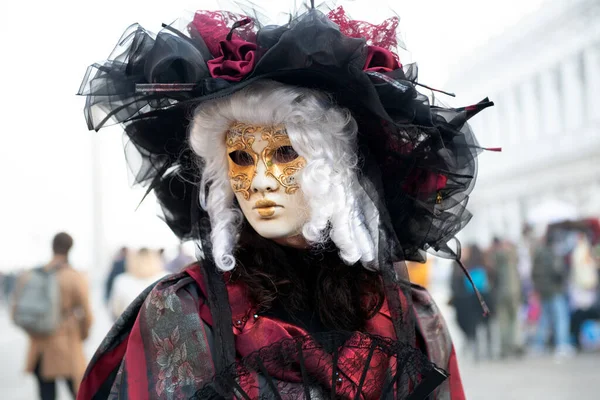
(262, 181)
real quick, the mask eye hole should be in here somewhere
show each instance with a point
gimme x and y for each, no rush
(285, 154)
(241, 158)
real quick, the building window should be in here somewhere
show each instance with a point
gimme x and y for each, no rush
(591, 79)
(551, 110)
(571, 86)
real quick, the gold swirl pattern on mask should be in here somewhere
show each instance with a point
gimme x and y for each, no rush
(287, 177)
(283, 172)
(241, 184)
(241, 137)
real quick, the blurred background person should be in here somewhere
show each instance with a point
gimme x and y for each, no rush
(524, 258)
(484, 277)
(583, 287)
(8, 285)
(3, 294)
(596, 253)
(181, 260)
(419, 272)
(465, 306)
(142, 269)
(503, 259)
(549, 276)
(117, 268)
(469, 315)
(58, 354)
(525, 325)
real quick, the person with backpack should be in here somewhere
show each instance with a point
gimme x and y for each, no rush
(549, 275)
(503, 260)
(51, 304)
(583, 287)
(483, 279)
(464, 299)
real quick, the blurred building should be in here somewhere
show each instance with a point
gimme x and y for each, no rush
(544, 76)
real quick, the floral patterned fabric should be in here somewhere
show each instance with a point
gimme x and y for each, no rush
(158, 349)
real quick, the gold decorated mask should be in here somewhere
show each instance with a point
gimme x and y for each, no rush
(279, 157)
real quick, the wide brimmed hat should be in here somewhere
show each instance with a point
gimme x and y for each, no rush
(422, 155)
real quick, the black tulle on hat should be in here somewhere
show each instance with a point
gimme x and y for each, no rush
(426, 155)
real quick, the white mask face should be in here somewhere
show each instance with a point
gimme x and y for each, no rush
(262, 169)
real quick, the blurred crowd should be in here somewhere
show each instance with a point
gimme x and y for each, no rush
(51, 303)
(543, 293)
(133, 271)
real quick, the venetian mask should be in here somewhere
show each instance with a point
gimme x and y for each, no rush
(263, 169)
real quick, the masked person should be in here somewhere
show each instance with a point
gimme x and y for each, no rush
(308, 168)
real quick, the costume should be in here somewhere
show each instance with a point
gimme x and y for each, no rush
(308, 167)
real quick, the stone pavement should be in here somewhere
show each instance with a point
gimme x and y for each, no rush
(529, 378)
(540, 378)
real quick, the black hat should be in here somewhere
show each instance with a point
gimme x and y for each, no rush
(423, 155)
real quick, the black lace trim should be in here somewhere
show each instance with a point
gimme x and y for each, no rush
(306, 358)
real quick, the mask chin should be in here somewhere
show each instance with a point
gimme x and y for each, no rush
(279, 234)
(297, 242)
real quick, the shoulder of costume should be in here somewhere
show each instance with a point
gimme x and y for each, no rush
(168, 314)
(185, 292)
(431, 325)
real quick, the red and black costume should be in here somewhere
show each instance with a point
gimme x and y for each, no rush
(198, 334)
(162, 348)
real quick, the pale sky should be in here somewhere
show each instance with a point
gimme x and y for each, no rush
(46, 152)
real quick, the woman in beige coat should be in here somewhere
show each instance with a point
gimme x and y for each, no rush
(60, 355)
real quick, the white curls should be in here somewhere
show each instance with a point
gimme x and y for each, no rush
(322, 133)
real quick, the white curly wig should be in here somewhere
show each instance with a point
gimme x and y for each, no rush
(321, 132)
